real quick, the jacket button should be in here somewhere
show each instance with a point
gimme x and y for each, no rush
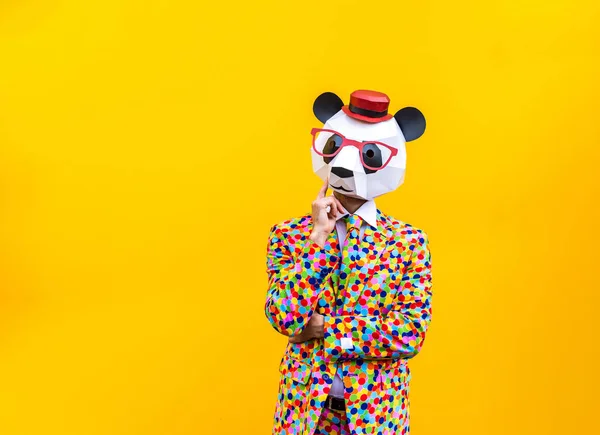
(326, 377)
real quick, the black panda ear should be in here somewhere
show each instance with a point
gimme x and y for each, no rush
(411, 122)
(326, 105)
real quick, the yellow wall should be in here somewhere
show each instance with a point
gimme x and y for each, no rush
(146, 147)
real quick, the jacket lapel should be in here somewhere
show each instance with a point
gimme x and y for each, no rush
(333, 245)
(373, 244)
(326, 304)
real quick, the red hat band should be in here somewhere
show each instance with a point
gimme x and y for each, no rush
(368, 106)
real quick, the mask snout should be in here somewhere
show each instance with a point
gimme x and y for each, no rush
(342, 172)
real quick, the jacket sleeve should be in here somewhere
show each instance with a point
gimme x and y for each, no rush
(400, 333)
(296, 272)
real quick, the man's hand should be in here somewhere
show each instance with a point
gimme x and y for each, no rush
(314, 329)
(325, 210)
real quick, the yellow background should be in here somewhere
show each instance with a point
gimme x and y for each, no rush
(146, 147)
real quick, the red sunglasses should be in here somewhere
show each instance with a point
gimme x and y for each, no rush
(373, 155)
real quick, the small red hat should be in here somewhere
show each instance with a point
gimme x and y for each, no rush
(368, 106)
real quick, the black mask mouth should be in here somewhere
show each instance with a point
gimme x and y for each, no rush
(340, 188)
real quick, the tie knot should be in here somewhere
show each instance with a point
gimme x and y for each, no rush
(353, 221)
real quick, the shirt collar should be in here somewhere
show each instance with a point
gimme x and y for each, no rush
(367, 212)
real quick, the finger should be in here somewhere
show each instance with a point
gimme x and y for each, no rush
(322, 203)
(332, 212)
(332, 205)
(297, 338)
(328, 203)
(323, 190)
(339, 206)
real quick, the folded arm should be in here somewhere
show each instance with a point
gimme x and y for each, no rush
(400, 333)
(296, 272)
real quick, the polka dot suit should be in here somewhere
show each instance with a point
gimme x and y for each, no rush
(385, 313)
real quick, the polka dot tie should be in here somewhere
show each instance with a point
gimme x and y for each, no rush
(349, 254)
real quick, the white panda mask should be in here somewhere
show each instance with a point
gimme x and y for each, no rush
(383, 138)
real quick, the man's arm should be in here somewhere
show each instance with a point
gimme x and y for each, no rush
(398, 334)
(296, 277)
(295, 281)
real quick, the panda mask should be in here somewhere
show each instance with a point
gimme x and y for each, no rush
(361, 148)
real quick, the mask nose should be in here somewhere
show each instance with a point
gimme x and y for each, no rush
(342, 172)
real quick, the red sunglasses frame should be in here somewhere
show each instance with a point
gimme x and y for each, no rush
(354, 143)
